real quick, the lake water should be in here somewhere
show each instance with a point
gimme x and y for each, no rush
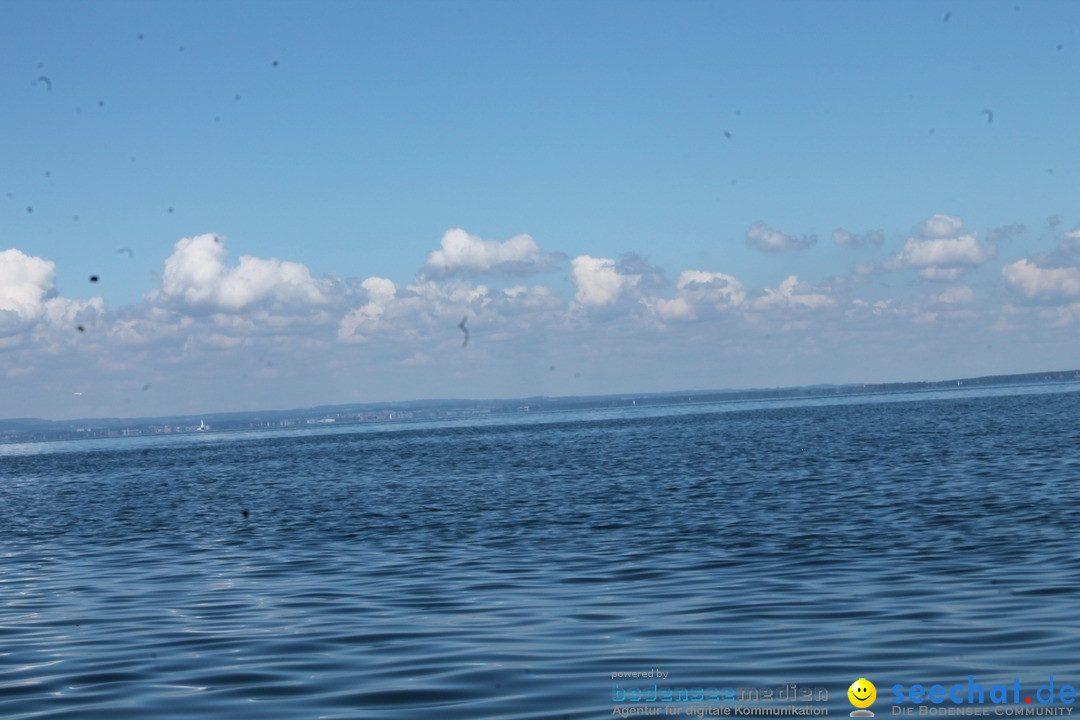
(506, 569)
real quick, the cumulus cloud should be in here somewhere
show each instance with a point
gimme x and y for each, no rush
(368, 317)
(942, 252)
(28, 295)
(1061, 315)
(197, 279)
(25, 283)
(698, 289)
(535, 297)
(465, 253)
(764, 238)
(1037, 282)
(427, 311)
(940, 226)
(942, 249)
(634, 265)
(791, 294)
(672, 308)
(408, 312)
(717, 289)
(845, 238)
(380, 291)
(67, 312)
(959, 295)
(598, 280)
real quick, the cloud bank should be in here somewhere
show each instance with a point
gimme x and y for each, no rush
(271, 320)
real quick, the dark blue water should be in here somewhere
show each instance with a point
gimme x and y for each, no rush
(506, 571)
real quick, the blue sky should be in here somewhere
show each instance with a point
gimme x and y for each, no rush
(642, 196)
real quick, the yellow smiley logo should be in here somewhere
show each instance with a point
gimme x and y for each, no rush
(862, 694)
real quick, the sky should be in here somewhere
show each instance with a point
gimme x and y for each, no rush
(225, 206)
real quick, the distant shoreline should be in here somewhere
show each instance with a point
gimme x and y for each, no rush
(35, 430)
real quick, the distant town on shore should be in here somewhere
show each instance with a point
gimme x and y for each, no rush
(22, 430)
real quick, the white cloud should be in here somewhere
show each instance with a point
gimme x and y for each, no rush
(863, 270)
(1035, 281)
(717, 292)
(598, 281)
(368, 317)
(942, 250)
(25, 283)
(28, 296)
(791, 294)
(379, 290)
(68, 312)
(939, 274)
(845, 238)
(416, 310)
(1061, 315)
(764, 238)
(196, 279)
(215, 323)
(673, 308)
(535, 297)
(963, 250)
(462, 252)
(959, 295)
(940, 226)
(719, 289)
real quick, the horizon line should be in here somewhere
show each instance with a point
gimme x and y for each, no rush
(420, 403)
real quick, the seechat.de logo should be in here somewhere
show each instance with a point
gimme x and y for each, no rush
(862, 694)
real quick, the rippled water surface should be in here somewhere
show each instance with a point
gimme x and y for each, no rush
(507, 570)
